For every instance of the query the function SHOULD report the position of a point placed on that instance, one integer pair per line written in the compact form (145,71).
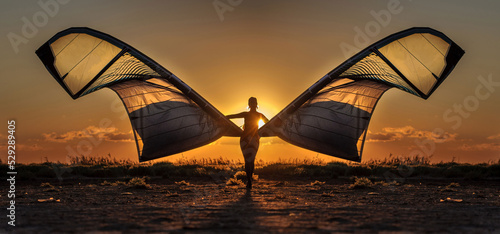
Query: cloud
(119,137)
(406,130)
(494,137)
(480,147)
(394,134)
(383,137)
(108,134)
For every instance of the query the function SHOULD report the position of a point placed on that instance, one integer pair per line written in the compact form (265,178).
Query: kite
(330,117)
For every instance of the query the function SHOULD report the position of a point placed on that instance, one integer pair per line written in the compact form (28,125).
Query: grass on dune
(392,167)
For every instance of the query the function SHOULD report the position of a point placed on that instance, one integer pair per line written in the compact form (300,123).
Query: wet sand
(272,206)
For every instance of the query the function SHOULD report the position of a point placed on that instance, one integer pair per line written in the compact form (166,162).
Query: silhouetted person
(249,141)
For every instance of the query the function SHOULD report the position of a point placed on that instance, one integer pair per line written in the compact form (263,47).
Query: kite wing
(332,116)
(167,116)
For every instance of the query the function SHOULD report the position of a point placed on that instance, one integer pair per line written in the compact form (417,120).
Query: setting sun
(261,123)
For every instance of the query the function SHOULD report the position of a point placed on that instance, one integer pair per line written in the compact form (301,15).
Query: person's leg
(249,166)
(249,148)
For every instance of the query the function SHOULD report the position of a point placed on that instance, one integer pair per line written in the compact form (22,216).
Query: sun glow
(261,123)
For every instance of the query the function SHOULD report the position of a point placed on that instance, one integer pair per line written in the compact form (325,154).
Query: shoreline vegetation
(388,169)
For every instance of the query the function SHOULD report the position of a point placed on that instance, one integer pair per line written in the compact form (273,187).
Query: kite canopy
(167,116)
(332,116)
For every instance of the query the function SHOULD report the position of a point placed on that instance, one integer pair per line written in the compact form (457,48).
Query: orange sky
(272,50)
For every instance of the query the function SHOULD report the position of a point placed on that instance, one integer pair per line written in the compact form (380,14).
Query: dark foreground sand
(272,206)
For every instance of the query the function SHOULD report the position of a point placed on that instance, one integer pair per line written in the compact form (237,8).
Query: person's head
(252,103)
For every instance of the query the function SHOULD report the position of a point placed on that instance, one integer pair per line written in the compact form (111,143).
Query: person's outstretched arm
(240,115)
